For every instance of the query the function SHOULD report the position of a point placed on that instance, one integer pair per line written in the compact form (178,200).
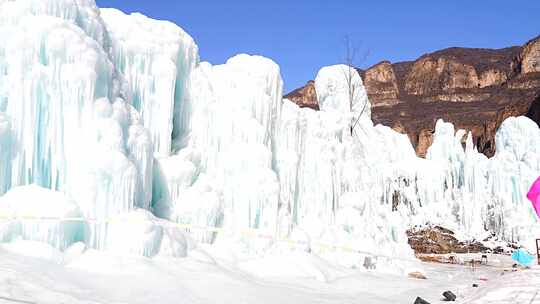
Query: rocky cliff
(475,89)
(306,96)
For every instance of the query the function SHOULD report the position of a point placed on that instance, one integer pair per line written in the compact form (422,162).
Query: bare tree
(351,52)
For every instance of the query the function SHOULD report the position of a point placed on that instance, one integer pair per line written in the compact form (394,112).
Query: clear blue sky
(302,36)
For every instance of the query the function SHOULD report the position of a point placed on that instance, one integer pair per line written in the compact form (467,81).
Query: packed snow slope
(94,277)
(111,119)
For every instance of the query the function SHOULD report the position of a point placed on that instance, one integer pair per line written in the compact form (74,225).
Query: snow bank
(294,264)
(34,249)
(140,233)
(32,212)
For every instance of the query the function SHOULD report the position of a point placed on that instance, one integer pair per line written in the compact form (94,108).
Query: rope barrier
(254,233)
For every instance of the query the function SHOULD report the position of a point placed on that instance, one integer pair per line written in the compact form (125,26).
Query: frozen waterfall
(71,128)
(112,118)
(156,66)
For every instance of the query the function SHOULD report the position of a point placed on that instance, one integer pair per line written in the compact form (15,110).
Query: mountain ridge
(474,88)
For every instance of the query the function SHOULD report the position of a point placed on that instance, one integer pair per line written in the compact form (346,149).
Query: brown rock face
(432,75)
(438,240)
(531,57)
(305,97)
(475,89)
(492,77)
(381,84)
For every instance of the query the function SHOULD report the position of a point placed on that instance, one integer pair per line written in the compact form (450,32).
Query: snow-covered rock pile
(438,240)
(116,116)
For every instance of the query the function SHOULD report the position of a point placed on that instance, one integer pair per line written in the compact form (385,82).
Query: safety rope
(253,233)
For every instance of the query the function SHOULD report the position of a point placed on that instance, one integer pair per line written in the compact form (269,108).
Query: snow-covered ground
(521,287)
(99,277)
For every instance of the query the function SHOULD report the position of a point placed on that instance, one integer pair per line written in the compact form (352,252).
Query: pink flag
(534,196)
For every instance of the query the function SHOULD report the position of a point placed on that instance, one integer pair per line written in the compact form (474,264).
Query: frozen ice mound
(517,138)
(37,214)
(140,233)
(340,88)
(223,176)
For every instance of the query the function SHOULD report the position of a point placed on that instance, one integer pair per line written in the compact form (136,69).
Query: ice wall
(5,153)
(510,174)
(459,188)
(71,128)
(253,161)
(88,98)
(328,177)
(223,177)
(65,67)
(156,59)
